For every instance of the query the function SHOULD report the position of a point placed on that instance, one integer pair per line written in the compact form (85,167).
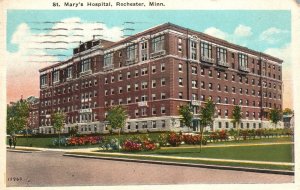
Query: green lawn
(260,166)
(272,153)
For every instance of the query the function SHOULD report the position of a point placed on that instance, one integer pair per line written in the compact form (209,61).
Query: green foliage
(236,114)
(186,114)
(207,114)
(288,111)
(117,117)
(58,120)
(275,116)
(17,116)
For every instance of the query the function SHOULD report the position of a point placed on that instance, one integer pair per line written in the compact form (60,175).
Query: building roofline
(168,25)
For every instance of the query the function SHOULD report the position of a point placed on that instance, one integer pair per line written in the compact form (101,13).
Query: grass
(272,153)
(260,166)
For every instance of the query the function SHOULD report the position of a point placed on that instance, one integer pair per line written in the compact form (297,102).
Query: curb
(20,151)
(282,172)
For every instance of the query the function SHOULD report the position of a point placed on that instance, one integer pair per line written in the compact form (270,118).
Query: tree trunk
(58,139)
(201,137)
(238,131)
(119,139)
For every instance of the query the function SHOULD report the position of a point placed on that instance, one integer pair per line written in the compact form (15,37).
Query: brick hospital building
(152,73)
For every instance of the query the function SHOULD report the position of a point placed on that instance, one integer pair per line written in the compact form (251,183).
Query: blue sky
(267,31)
(226,21)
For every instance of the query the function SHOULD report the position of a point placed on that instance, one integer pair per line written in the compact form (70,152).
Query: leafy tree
(117,118)
(17,116)
(186,114)
(58,120)
(275,116)
(236,118)
(206,117)
(288,111)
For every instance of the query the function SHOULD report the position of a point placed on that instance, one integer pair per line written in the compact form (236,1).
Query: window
(69,72)
(226,114)
(194,70)
(206,50)
(219,99)
(144,51)
(210,86)
(120,90)
(158,43)
(210,73)
(112,79)
(163,82)
(136,112)
(241,91)
(153,124)
(153,69)
(241,79)
(162,67)
(144,71)
(128,100)
(233,77)
(193,50)
(202,71)
(202,97)
(128,75)
(179,45)
(180,95)
(163,95)
(180,81)
(226,88)
(136,86)
(120,77)
(56,76)
(106,80)
(131,52)
(153,111)
(246,91)
(194,96)
(219,87)
(86,65)
(225,76)
(194,84)
(222,54)
(219,74)
(233,89)
(226,100)
(180,67)
(202,85)
(112,91)
(144,85)
(153,83)
(43,80)
(233,101)
(153,96)
(108,59)
(163,110)
(144,98)
(163,123)
(243,60)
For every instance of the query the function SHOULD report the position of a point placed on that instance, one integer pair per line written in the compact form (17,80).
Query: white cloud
(272,35)
(283,53)
(216,33)
(23,65)
(243,31)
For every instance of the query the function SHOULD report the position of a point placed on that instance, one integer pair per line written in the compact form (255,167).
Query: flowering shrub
(131,146)
(174,139)
(148,145)
(223,135)
(213,136)
(191,139)
(83,140)
(163,139)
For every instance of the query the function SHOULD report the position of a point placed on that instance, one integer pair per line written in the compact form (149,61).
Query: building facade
(152,73)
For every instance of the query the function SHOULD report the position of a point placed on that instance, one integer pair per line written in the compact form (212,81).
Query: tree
(58,120)
(206,117)
(236,118)
(288,111)
(186,114)
(275,116)
(17,116)
(117,118)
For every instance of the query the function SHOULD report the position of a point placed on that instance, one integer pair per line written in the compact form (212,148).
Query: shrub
(213,136)
(131,146)
(174,139)
(163,139)
(223,135)
(191,139)
(83,140)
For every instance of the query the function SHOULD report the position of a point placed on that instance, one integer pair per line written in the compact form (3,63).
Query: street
(50,168)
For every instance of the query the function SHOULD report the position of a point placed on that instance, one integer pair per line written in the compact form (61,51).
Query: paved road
(50,168)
